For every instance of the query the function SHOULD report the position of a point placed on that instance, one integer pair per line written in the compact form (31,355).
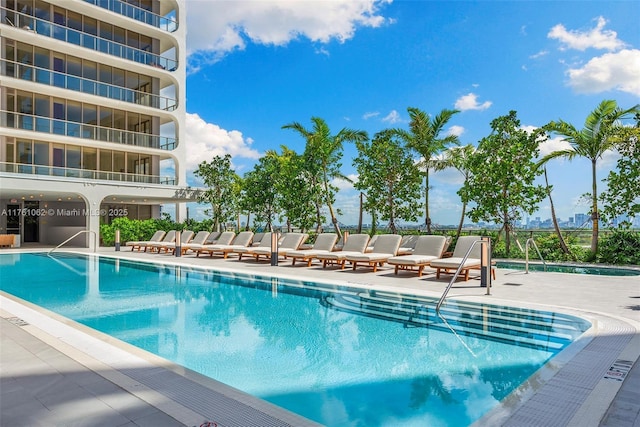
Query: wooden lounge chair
(168,238)
(386,246)
(289,242)
(355,244)
(451,264)
(243,239)
(427,248)
(324,244)
(198,239)
(157,237)
(264,242)
(223,239)
(169,247)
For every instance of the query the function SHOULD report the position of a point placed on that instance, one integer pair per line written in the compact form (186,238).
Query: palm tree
(591,142)
(458,158)
(323,153)
(424,138)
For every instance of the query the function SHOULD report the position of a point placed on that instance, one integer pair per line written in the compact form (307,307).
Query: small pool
(340,356)
(575,269)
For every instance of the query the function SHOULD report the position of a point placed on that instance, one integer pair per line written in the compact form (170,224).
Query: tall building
(92,108)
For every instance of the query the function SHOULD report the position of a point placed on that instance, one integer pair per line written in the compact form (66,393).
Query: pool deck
(54,372)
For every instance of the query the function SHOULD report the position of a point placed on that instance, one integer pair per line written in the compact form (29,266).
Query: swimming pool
(567,268)
(337,355)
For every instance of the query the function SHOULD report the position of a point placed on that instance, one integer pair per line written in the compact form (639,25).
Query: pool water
(340,356)
(575,269)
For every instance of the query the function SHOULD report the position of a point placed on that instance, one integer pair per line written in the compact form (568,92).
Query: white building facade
(92,108)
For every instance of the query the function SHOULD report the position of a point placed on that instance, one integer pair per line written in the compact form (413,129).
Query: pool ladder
(531,242)
(485,268)
(95,240)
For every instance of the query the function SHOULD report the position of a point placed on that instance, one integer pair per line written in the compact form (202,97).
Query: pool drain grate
(17,321)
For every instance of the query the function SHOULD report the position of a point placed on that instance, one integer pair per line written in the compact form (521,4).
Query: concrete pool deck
(56,372)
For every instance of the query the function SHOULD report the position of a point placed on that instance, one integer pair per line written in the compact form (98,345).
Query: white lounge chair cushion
(337,256)
(411,260)
(454,262)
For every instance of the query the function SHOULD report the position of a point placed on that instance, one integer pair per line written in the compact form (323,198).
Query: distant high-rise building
(92,113)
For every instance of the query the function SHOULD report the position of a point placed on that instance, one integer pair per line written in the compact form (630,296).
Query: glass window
(25,58)
(89,158)
(74,24)
(41,153)
(74,68)
(106,160)
(73,156)
(10,155)
(41,61)
(118,161)
(24,152)
(90,73)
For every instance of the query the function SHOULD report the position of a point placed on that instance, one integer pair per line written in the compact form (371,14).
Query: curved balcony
(166,23)
(31,122)
(59,32)
(56,171)
(49,77)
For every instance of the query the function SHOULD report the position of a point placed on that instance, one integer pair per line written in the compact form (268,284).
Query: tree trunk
(563,244)
(595,217)
(461,224)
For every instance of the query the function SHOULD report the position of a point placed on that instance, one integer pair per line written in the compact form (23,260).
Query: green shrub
(621,247)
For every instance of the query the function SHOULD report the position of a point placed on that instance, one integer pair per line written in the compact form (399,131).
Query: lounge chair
(427,248)
(323,245)
(243,239)
(223,239)
(157,237)
(451,264)
(198,239)
(408,244)
(264,242)
(372,243)
(355,244)
(386,246)
(168,238)
(289,242)
(169,247)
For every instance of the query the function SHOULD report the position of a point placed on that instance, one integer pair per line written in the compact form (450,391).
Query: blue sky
(257,65)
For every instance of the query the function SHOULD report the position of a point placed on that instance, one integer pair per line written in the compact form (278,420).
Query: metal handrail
(530,240)
(90,41)
(45,124)
(64,172)
(455,276)
(50,77)
(95,241)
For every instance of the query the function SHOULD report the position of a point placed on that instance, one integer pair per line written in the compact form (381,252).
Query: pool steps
(540,330)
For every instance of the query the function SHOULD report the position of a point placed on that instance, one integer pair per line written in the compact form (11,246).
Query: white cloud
(470,102)
(539,54)
(553,144)
(371,114)
(597,38)
(392,117)
(620,70)
(342,184)
(217,27)
(206,140)
(456,130)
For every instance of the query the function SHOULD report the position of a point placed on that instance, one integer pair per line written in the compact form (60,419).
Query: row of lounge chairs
(411,253)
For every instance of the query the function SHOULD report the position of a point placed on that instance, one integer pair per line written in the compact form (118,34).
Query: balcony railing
(90,41)
(80,84)
(31,122)
(139,14)
(57,171)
